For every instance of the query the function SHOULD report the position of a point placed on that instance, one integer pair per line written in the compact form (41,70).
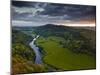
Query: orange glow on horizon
(80,24)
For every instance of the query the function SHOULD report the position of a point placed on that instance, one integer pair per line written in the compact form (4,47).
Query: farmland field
(63,58)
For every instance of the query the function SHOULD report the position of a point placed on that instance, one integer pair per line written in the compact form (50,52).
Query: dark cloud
(73,11)
(51,12)
(22,4)
(28,4)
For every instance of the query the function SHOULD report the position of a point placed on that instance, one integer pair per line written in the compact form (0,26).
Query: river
(38,59)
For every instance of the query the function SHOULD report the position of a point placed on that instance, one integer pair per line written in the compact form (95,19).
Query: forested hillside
(23,56)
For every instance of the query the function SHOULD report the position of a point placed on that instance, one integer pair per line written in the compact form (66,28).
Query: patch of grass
(63,58)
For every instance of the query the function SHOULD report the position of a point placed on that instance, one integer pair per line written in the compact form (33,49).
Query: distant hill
(85,34)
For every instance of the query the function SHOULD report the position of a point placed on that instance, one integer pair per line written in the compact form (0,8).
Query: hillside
(85,37)
(23,57)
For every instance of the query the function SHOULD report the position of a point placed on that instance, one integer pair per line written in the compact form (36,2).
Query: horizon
(56,25)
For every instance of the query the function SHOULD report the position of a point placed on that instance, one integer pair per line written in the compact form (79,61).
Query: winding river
(38,59)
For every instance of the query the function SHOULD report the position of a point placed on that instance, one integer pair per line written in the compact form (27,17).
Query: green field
(62,58)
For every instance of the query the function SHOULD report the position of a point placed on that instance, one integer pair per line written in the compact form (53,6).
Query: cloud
(26,23)
(43,13)
(22,10)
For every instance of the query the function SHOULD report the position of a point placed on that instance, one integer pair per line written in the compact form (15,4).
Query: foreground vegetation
(23,56)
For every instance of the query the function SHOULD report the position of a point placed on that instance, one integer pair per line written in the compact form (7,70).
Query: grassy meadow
(63,58)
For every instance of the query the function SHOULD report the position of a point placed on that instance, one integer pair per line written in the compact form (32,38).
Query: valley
(60,48)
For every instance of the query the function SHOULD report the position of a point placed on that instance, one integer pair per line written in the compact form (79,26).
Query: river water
(38,59)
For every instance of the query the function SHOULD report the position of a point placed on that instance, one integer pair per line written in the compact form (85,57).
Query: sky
(41,13)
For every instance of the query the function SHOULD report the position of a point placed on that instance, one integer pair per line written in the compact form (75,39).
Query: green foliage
(23,56)
(24,51)
(21,66)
